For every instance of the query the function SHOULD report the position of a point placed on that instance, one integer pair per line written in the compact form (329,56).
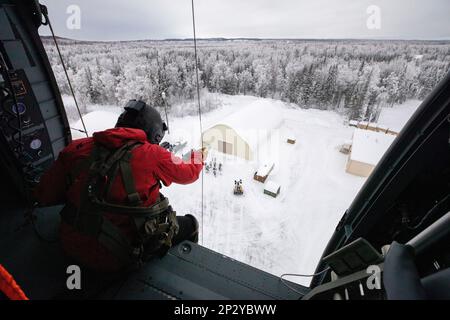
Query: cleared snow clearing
(396,117)
(280,235)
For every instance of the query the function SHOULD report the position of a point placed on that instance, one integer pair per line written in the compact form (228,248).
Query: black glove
(166,145)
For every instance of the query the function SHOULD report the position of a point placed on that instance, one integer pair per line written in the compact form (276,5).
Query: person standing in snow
(115,216)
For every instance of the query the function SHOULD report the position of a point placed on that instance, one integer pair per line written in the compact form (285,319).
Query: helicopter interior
(406,199)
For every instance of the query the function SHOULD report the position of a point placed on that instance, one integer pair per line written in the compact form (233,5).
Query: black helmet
(139,115)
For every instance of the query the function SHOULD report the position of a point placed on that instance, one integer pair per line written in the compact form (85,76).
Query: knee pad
(194,235)
(194,221)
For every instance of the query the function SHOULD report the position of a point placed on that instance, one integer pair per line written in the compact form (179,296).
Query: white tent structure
(242,132)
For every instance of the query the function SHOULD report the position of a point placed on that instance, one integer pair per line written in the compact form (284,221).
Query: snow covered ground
(279,235)
(396,117)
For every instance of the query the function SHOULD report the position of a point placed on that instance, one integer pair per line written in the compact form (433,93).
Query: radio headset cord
(48,23)
(199,108)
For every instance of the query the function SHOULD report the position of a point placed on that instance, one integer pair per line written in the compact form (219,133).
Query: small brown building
(263,172)
(392,132)
(346,148)
(291,141)
(368,126)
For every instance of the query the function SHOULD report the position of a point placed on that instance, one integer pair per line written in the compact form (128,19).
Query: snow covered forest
(355,78)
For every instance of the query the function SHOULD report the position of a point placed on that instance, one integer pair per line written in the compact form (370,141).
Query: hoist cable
(167,116)
(65,71)
(79,130)
(199,106)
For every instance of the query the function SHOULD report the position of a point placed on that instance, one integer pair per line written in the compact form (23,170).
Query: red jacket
(150,164)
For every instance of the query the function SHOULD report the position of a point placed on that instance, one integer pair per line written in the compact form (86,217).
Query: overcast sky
(162,19)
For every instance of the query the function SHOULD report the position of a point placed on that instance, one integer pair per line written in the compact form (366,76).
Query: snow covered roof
(369,146)
(363,123)
(265,169)
(254,121)
(272,187)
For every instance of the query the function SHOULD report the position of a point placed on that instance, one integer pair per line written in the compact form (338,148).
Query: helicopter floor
(188,271)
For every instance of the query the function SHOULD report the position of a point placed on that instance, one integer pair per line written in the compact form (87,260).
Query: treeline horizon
(48,38)
(357,77)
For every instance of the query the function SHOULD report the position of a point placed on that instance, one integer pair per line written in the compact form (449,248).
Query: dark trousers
(188,227)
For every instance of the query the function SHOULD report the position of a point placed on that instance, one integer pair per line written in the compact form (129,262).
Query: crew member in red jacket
(114,213)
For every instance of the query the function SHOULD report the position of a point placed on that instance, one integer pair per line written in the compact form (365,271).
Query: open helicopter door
(34,129)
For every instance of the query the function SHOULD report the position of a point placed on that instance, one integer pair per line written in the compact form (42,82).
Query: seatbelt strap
(133,196)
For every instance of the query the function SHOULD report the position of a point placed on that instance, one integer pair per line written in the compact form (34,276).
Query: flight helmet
(139,115)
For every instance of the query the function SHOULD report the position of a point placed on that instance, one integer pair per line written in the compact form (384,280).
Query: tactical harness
(155,226)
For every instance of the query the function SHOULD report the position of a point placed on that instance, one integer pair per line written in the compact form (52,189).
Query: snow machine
(238,190)
(391,243)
